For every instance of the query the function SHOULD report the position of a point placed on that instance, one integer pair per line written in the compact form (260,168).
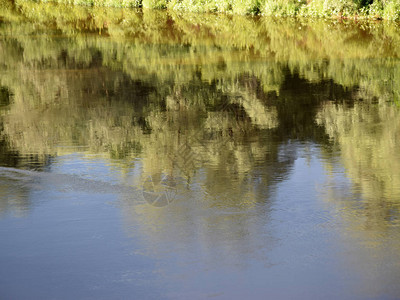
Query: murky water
(153,155)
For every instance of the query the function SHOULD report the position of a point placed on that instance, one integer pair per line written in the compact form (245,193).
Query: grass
(365,9)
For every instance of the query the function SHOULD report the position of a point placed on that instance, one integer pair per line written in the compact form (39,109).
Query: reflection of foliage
(4,96)
(369,139)
(367,134)
(12,199)
(84,104)
(177,44)
(126,83)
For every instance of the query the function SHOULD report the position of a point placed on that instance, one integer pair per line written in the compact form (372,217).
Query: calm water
(153,155)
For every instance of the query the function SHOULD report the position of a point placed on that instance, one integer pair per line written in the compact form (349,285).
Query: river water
(159,155)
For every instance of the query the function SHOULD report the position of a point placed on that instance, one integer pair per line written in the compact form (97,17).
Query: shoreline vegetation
(348,9)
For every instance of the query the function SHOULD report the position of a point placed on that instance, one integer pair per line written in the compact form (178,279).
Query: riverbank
(355,9)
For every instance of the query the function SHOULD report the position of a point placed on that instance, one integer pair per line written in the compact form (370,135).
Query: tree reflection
(176,92)
(367,135)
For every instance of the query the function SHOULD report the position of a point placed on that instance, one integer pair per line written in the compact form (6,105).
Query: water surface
(152,155)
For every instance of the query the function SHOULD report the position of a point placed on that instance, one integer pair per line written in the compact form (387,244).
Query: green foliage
(329,8)
(244,7)
(157,4)
(97,3)
(386,9)
(196,5)
(282,7)
(391,10)
(240,7)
